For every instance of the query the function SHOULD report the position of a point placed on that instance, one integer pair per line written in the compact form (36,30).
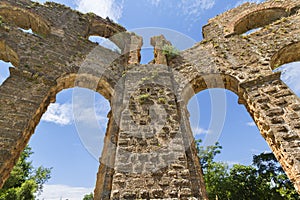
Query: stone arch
(24,19)
(106,43)
(85,81)
(258,18)
(210,81)
(18,124)
(287,54)
(253,16)
(203,82)
(106,28)
(274,108)
(192,86)
(102,27)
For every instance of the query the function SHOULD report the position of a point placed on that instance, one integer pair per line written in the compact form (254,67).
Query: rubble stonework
(149,150)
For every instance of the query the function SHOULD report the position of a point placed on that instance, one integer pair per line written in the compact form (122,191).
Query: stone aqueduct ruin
(144,157)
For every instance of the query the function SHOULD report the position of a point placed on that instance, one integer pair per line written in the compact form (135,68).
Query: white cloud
(155,2)
(232,162)
(57,192)
(188,6)
(250,1)
(59,114)
(188,9)
(251,124)
(194,7)
(199,131)
(204,4)
(90,111)
(259,151)
(103,8)
(91,114)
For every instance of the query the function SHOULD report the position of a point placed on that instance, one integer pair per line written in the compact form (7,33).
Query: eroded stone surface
(149,150)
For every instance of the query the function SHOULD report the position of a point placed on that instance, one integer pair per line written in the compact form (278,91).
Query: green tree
(24,181)
(244,183)
(88,197)
(215,173)
(274,176)
(263,180)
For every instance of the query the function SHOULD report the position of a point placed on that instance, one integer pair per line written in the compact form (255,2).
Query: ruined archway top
(251,57)
(235,21)
(248,59)
(59,42)
(56,19)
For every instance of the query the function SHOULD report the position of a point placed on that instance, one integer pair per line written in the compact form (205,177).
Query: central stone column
(149,148)
(153,155)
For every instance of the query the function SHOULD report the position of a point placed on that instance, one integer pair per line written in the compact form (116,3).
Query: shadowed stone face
(149,150)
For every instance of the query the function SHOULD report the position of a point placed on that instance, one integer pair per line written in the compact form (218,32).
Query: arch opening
(29,31)
(217,90)
(258,19)
(24,19)
(287,60)
(208,133)
(240,140)
(4,71)
(106,43)
(237,125)
(252,31)
(209,81)
(71,143)
(81,104)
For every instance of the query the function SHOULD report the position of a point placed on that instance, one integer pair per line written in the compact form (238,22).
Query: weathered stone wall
(243,63)
(276,111)
(45,63)
(151,159)
(149,148)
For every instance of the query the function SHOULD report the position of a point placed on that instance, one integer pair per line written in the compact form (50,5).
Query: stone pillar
(276,111)
(130,45)
(158,42)
(107,160)
(154,153)
(23,99)
(135,49)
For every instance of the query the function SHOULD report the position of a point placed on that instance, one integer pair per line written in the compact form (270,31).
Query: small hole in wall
(27,31)
(252,31)
(290,76)
(104,42)
(4,70)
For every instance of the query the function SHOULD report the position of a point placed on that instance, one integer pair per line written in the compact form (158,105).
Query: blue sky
(59,140)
